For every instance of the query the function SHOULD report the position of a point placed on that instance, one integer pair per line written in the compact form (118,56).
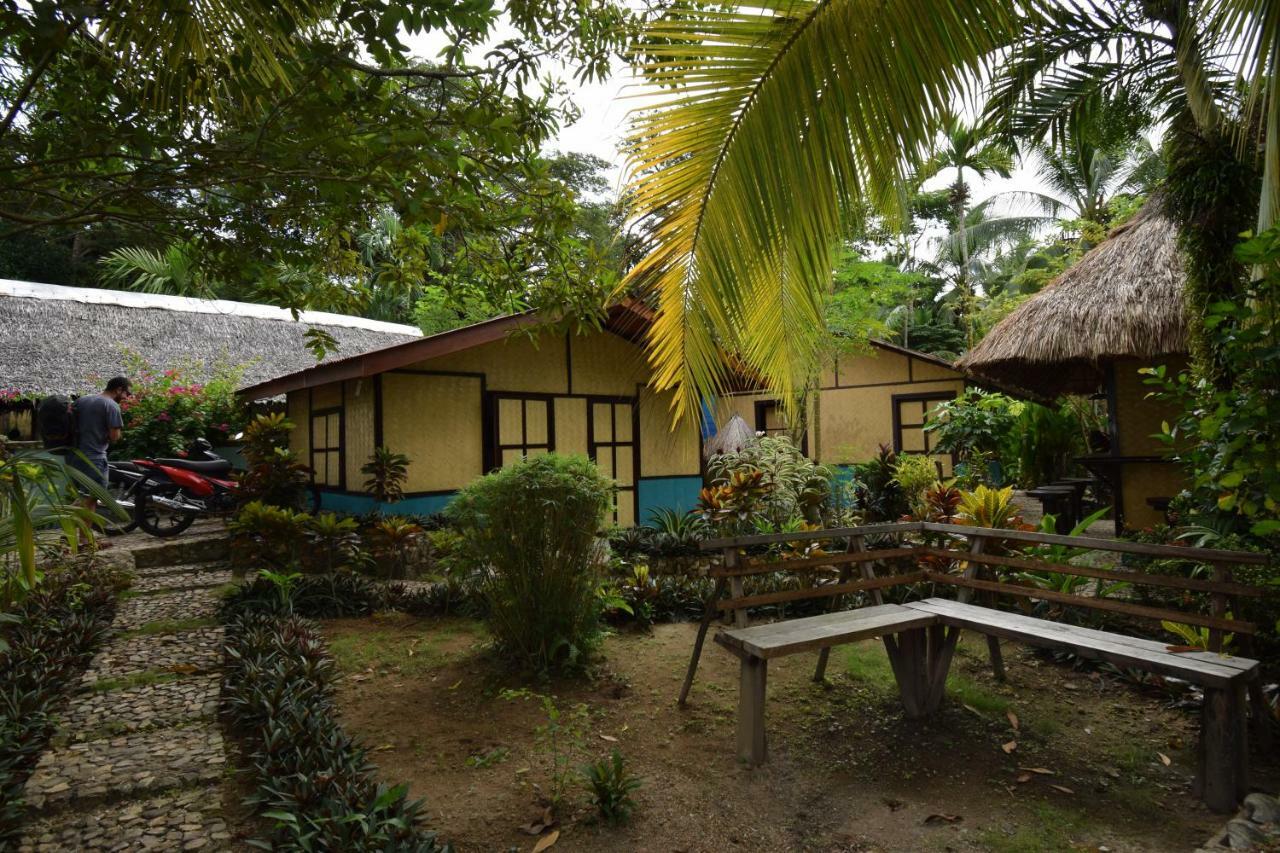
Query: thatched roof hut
(67,340)
(1123,299)
(730,438)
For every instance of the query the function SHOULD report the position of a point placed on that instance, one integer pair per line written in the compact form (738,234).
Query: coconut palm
(776,121)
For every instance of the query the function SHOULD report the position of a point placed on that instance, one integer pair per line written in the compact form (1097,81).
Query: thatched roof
(730,438)
(66,340)
(1123,299)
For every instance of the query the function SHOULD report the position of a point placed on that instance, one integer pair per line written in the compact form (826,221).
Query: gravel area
(183,580)
(104,713)
(189,604)
(129,766)
(183,568)
(185,652)
(188,820)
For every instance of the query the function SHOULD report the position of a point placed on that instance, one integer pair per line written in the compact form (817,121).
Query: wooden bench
(920,636)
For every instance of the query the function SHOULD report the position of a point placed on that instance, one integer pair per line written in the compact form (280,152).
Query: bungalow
(467,401)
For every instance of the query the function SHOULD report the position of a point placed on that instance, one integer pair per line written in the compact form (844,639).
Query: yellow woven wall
(665,450)
(358,427)
(300,437)
(871,367)
(571,425)
(327,396)
(854,422)
(436,422)
(1141,481)
(513,364)
(607,365)
(1138,418)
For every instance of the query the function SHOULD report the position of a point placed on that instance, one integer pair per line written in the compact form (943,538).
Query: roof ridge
(191,305)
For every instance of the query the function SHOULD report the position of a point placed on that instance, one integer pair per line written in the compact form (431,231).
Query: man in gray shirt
(98,425)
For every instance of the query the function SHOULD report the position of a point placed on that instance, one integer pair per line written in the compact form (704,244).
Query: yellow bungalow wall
(1138,419)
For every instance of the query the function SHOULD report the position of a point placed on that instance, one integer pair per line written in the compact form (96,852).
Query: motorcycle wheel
(115,527)
(158,520)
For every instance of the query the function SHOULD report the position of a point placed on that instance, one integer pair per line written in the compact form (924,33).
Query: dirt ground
(1085,766)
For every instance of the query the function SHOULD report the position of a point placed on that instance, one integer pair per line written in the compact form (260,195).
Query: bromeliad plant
(387,472)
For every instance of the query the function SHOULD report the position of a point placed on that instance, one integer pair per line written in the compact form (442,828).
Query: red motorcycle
(173,493)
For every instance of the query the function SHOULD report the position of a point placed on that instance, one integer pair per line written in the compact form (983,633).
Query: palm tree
(781,119)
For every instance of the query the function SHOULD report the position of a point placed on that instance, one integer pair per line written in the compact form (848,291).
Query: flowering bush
(169,410)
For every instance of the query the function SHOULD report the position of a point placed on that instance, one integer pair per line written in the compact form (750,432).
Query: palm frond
(779,119)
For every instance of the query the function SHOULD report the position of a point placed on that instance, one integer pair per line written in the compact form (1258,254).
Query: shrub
(915,475)
(169,409)
(311,779)
(977,426)
(387,473)
(878,493)
(611,786)
(44,646)
(394,541)
(985,507)
(532,528)
(262,533)
(332,543)
(273,474)
(793,486)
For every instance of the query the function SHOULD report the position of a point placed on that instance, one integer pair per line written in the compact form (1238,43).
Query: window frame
(340,449)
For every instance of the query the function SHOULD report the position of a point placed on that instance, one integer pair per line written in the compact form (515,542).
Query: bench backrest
(954,555)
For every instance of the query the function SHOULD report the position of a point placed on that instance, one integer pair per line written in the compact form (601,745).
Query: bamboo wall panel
(854,422)
(923,370)
(571,425)
(666,450)
(864,368)
(327,396)
(358,441)
(1137,417)
(436,421)
(607,365)
(300,438)
(516,363)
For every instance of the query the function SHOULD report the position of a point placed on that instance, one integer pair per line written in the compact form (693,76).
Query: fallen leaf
(1010,746)
(968,707)
(1013,719)
(1024,777)
(1063,788)
(547,841)
(1182,650)
(1164,759)
(935,819)
(1043,771)
(384,747)
(455,685)
(1070,685)
(609,738)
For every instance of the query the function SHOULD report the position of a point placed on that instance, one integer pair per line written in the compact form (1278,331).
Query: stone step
(187,820)
(182,580)
(181,568)
(191,604)
(110,713)
(187,548)
(125,767)
(185,652)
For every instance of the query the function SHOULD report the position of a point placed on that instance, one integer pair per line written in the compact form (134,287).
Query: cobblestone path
(138,762)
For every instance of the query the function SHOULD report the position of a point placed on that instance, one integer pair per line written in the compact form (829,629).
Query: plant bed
(311,781)
(847,770)
(52,638)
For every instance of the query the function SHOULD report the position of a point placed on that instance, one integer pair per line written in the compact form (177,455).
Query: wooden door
(611,443)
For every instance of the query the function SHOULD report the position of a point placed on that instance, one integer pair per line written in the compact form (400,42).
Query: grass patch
(969,692)
(169,626)
(869,663)
(1052,831)
(137,679)
(394,648)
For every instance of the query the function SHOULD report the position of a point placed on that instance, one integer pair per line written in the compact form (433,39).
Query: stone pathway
(138,761)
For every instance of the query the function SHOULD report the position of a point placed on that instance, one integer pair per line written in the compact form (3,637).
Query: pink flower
(223,427)
(163,416)
(169,374)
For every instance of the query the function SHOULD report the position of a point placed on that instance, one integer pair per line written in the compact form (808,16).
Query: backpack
(56,422)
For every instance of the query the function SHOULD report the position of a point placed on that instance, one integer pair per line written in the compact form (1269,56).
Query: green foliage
(1048,439)
(611,786)
(532,529)
(977,422)
(332,543)
(915,475)
(985,507)
(561,738)
(790,486)
(168,409)
(265,534)
(393,542)
(312,781)
(387,472)
(39,517)
(878,493)
(273,474)
(45,644)
(1226,435)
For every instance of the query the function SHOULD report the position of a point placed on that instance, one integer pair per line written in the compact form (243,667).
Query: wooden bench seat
(819,632)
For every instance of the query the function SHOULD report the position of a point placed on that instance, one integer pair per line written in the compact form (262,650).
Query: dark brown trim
(888,384)
(568,363)
(409,371)
(761,410)
(312,450)
(911,373)
(898,426)
(377,411)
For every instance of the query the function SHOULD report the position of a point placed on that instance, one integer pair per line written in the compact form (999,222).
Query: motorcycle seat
(126,466)
(210,469)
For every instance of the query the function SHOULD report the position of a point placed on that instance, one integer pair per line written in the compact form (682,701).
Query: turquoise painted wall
(678,493)
(361,504)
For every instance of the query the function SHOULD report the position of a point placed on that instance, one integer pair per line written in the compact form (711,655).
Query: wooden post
(978,544)
(736,587)
(855,545)
(707,616)
(1218,605)
(1223,778)
(752,749)
(920,659)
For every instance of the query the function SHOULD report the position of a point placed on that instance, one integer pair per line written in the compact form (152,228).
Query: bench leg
(751,695)
(1223,778)
(820,672)
(997,657)
(921,659)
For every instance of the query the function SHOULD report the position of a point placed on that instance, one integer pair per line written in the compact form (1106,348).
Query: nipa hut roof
(68,340)
(1123,299)
(730,438)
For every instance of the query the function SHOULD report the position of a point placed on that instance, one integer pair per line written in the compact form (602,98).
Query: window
(771,420)
(910,414)
(525,426)
(326,448)
(611,442)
